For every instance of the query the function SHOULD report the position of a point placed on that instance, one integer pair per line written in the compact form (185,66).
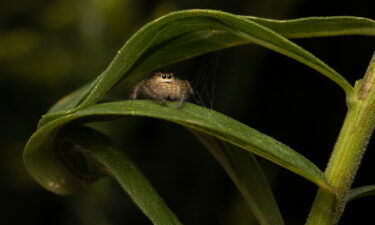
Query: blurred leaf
(244,170)
(361,192)
(43,164)
(125,172)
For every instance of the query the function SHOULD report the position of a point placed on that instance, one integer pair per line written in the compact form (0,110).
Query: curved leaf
(174,25)
(201,31)
(123,169)
(244,170)
(53,176)
(189,33)
(361,192)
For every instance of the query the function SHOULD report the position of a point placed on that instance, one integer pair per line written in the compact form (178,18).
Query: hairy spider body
(162,87)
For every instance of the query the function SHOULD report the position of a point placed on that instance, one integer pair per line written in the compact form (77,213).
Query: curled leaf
(41,145)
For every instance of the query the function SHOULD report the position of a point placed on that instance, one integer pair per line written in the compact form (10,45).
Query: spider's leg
(154,95)
(136,90)
(190,88)
(185,90)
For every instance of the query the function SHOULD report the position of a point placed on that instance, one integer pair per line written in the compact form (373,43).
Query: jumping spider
(163,86)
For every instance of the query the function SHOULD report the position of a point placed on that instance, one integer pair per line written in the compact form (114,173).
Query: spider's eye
(163,76)
(169,76)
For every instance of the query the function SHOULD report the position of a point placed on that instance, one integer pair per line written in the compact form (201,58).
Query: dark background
(49,48)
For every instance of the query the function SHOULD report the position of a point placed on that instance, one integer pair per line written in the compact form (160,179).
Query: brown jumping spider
(163,86)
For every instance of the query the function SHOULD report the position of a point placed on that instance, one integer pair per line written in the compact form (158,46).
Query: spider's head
(164,77)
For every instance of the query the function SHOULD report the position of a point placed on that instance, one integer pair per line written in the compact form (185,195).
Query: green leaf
(42,163)
(310,27)
(65,104)
(244,170)
(123,169)
(361,192)
(185,34)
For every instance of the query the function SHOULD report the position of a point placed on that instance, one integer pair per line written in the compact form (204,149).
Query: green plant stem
(348,151)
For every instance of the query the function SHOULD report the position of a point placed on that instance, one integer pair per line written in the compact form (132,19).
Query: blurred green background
(50,48)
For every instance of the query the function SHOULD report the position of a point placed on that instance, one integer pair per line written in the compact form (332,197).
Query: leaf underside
(124,170)
(244,170)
